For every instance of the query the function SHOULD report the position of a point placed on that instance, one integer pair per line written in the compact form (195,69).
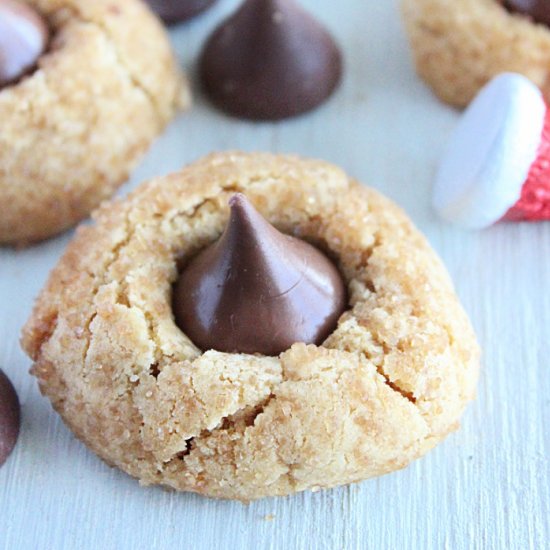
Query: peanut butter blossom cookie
(254,325)
(84,89)
(460,45)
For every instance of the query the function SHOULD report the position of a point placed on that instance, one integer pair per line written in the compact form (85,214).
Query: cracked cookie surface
(74,129)
(386,386)
(459,45)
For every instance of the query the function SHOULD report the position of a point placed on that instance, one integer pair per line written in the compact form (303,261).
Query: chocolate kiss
(539,10)
(23,39)
(270,60)
(173,11)
(256,290)
(9,418)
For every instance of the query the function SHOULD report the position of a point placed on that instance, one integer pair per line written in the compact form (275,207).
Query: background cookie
(386,386)
(74,129)
(459,45)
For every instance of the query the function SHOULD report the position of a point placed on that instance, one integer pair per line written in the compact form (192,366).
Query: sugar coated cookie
(460,45)
(389,381)
(85,87)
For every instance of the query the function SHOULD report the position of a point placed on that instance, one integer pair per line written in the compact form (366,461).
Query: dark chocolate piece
(257,290)
(270,60)
(538,10)
(23,39)
(10,418)
(175,11)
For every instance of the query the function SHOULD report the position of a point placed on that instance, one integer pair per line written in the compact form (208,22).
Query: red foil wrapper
(534,203)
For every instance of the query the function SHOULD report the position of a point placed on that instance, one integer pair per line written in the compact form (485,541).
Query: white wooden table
(485,487)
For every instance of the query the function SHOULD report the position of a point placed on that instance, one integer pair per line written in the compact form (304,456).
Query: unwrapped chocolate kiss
(538,10)
(257,290)
(270,60)
(10,418)
(23,39)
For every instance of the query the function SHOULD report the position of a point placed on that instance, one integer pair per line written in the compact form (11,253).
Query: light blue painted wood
(486,487)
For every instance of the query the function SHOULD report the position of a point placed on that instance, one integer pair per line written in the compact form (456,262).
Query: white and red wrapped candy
(497,163)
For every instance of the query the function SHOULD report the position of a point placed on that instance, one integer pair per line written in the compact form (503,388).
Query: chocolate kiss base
(257,290)
(175,11)
(10,418)
(538,10)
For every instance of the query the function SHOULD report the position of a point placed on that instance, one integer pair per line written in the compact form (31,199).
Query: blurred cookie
(459,45)
(77,120)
